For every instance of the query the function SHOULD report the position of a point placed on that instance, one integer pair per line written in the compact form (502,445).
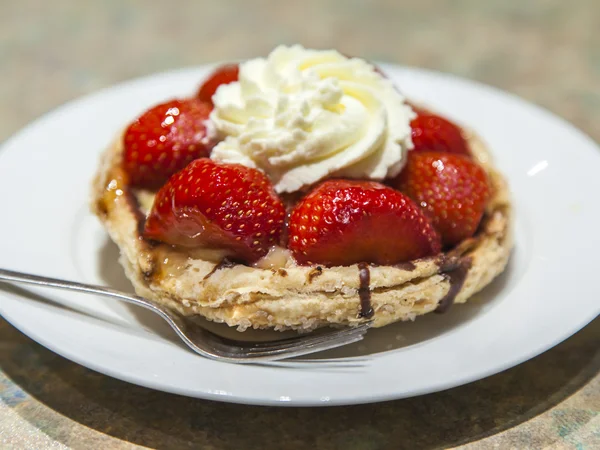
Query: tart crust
(299,297)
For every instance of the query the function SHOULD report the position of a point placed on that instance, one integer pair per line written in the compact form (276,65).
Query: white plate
(549,291)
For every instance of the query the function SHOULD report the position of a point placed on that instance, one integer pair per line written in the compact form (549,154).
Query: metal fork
(205,342)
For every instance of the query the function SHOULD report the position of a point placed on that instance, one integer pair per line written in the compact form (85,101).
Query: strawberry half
(164,140)
(452,190)
(217,205)
(434,133)
(345,222)
(222,75)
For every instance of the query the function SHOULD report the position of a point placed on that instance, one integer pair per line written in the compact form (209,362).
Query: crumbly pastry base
(297,297)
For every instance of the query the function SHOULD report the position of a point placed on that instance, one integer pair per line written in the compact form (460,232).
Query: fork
(201,340)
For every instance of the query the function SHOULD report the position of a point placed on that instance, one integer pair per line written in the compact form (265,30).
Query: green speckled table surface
(547,51)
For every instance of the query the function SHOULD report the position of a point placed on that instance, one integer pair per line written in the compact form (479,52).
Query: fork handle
(27,278)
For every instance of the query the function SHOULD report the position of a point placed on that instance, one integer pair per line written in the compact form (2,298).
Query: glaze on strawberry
(215,205)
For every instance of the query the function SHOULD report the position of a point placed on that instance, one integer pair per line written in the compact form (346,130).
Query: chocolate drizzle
(134,206)
(455,270)
(364,291)
(225,263)
(314,273)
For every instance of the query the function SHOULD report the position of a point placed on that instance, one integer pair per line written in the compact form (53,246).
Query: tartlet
(278,293)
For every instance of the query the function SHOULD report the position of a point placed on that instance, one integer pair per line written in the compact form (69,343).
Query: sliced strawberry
(451,189)
(344,222)
(222,75)
(434,133)
(210,204)
(164,140)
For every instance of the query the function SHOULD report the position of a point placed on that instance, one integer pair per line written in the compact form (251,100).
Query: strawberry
(218,205)
(452,190)
(434,133)
(164,140)
(222,75)
(343,222)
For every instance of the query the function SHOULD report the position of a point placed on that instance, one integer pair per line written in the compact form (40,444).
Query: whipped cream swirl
(304,115)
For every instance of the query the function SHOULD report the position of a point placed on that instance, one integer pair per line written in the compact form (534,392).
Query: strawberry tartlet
(303,190)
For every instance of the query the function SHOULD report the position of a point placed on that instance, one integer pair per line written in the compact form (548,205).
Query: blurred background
(547,51)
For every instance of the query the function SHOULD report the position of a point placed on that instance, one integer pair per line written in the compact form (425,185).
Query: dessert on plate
(303,190)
